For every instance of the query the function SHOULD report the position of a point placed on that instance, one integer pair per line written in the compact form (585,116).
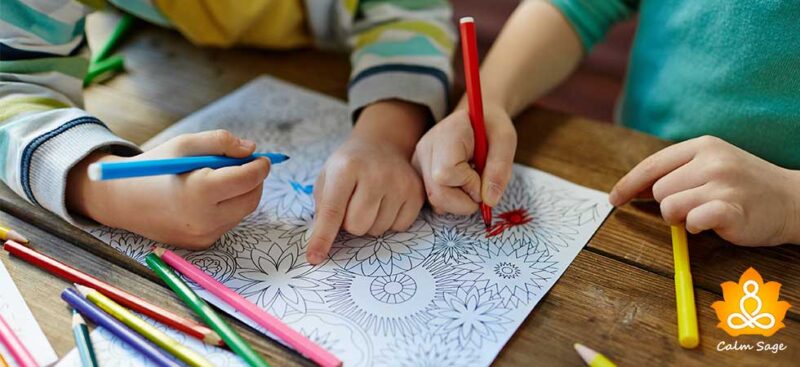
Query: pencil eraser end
(95,173)
(466,20)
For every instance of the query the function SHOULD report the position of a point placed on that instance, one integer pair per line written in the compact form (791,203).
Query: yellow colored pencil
(142,327)
(3,362)
(592,358)
(688,336)
(10,234)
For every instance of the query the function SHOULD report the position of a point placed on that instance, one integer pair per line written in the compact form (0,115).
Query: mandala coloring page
(446,292)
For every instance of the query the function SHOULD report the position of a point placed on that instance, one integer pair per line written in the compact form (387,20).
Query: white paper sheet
(442,293)
(112,351)
(21,320)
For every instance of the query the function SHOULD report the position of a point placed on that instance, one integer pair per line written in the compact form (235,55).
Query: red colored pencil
(469,48)
(72,275)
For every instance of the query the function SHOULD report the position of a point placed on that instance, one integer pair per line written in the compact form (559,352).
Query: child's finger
(362,210)
(715,214)
(675,207)
(461,175)
(651,169)
(407,214)
(234,209)
(685,177)
(228,182)
(216,142)
(443,198)
(387,213)
(499,162)
(329,217)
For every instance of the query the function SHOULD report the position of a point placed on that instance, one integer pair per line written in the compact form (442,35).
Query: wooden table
(617,296)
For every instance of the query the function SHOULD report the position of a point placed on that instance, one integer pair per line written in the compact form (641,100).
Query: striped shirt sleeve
(401,50)
(593,18)
(43,130)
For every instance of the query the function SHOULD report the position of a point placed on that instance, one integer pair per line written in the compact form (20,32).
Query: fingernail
(612,198)
(247,144)
(493,194)
(315,258)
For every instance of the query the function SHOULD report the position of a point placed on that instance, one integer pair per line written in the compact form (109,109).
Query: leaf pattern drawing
(470,316)
(279,279)
(444,293)
(425,350)
(390,253)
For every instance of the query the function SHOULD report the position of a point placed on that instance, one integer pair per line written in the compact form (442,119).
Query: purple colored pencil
(127,335)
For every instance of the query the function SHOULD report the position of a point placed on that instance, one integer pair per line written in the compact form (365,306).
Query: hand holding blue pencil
(171,166)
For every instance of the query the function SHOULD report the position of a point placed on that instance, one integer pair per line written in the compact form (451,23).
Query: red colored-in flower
(509,219)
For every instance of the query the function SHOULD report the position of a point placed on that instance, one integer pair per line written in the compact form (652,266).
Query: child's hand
(191,210)
(368,185)
(443,157)
(710,184)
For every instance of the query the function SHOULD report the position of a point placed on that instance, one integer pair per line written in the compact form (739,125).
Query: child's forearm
(395,122)
(536,50)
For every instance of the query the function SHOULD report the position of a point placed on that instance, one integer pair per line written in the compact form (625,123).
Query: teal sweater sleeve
(592,18)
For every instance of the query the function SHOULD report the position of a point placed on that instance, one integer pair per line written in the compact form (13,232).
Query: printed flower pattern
(470,316)
(390,253)
(279,280)
(512,273)
(452,246)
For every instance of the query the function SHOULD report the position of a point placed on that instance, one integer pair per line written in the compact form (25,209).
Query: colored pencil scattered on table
(111,324)
(14,346)
(688,336)
(232,339)
(83,342)
(3,362)
(10,234)
(126,299)
(158,337)
(592,358)
(472,76)
(171,166)
(272,324)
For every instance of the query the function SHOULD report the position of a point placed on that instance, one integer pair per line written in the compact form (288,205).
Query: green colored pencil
(120,29)
(82,340)
(234,341)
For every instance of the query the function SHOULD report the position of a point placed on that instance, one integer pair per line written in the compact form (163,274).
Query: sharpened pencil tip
(95,172)
(585,352)
(14,235)
(77,319)
(159,251)
(83,290)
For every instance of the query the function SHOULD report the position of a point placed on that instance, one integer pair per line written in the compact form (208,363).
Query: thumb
(499,162)
(215,142)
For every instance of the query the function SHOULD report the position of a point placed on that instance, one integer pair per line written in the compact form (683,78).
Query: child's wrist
(91,199)
(394,122)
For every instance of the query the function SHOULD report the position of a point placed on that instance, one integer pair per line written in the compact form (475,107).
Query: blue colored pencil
(82,340)
(127,335)
(171,166)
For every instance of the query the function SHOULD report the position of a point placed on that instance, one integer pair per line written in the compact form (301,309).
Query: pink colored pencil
(15,346)
(271,323)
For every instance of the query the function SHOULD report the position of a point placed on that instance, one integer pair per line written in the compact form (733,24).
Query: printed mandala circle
(393,289)
(389,254)
(394,304)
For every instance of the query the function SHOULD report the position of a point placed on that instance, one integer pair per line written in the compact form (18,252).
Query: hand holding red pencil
(466,159)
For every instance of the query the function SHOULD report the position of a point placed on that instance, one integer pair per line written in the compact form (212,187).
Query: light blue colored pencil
(171,166)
